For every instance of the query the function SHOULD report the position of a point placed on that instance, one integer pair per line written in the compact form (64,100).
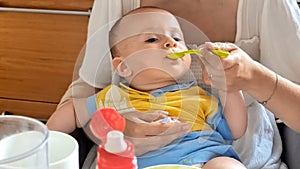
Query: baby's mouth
(179,55)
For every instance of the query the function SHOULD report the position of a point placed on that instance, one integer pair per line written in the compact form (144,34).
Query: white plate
(171,166)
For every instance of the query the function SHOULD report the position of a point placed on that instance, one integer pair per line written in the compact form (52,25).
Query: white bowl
(62,151)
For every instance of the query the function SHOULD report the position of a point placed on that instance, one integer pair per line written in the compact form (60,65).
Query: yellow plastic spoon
(177,55)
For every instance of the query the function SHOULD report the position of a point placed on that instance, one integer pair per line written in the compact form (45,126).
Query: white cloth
(276,23)
(261,146)
(96,68)
(267,29)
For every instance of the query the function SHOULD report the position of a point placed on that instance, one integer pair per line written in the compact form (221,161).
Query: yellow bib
(191,105)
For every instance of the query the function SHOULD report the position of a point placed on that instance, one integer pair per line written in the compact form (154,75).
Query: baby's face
(149,38)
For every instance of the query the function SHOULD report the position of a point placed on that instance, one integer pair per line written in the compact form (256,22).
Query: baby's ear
(120,67)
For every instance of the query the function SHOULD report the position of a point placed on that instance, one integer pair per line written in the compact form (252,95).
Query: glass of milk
(23,143)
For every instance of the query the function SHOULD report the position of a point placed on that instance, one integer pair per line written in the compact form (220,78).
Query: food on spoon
(178,55)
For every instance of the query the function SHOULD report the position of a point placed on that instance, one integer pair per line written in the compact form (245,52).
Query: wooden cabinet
(39,45)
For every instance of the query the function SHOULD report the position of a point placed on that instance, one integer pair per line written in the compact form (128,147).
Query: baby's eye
(177,39)
(151,40)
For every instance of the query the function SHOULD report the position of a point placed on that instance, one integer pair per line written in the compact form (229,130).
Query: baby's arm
(235,112)
(63,119)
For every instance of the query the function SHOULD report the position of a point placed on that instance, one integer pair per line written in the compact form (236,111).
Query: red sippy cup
(114,152)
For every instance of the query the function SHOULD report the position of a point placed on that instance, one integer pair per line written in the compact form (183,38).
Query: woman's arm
(282,98)
(243,73)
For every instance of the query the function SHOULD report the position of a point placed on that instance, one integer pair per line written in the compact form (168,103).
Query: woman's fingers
(215,62)
(210,60)
(220,45)
(229,73)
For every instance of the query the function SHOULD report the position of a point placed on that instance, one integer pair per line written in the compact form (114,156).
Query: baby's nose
(170,43)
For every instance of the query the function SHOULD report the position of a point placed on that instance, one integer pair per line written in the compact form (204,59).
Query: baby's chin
(156,79)
(150,86)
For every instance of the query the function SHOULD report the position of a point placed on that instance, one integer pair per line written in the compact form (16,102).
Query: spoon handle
(177,55)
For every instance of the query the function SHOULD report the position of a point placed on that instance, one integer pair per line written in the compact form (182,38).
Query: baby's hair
(113,30)
(145,8)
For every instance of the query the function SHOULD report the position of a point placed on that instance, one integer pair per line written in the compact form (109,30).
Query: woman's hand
(147,133)
(232,73)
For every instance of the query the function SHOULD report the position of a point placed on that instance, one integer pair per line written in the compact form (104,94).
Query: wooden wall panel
(38,53)
(82,5)
(37,57)
(39,110)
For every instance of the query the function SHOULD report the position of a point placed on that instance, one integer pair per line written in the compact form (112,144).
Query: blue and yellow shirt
(189,103)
